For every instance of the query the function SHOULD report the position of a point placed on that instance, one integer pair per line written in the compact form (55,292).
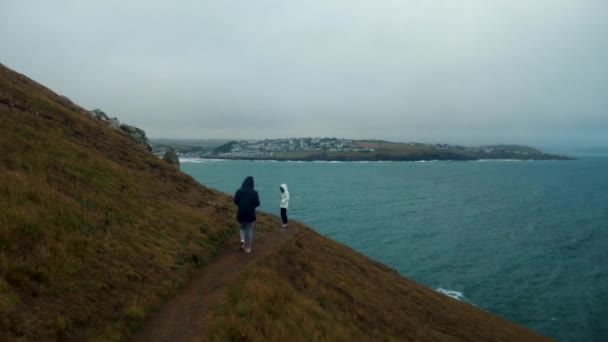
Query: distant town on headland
(338,149)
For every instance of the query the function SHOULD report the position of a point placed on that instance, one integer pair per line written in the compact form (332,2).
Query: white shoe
(242,247)
(247,250)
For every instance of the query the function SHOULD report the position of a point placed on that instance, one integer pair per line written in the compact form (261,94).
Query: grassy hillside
(94,230)
(313,289)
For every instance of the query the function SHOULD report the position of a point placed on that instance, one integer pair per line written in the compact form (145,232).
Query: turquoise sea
(526,240)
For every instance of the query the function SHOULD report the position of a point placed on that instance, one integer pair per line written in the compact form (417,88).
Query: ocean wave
(451,293)
(500,160)
(199,160)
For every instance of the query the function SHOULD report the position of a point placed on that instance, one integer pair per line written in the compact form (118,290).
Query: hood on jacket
(284,186)
(247,183)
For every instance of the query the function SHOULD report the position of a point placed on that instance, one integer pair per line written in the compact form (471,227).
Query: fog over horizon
(467,72)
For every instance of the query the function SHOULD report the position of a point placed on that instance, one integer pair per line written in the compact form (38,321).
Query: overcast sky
(456,71)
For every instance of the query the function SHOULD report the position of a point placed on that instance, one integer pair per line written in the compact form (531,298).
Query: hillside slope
(314,289)
(96,233)
(94,229)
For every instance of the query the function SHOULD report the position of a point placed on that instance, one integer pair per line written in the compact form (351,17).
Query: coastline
(360,160)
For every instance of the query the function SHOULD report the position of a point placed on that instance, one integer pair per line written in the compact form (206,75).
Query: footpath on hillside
(187,316)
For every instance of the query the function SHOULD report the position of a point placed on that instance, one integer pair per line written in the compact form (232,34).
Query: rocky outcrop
(136,134)
(101,115)
(171,157)
(114,123)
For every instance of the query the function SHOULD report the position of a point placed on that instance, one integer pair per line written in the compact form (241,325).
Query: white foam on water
(328,161)
(199,160)
(451,293)
(500,160)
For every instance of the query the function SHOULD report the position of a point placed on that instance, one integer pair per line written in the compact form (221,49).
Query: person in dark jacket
(247,199)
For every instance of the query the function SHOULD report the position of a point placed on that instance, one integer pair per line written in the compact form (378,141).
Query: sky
(444,71)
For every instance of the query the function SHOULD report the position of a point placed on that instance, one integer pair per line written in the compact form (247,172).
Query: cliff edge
(96,233)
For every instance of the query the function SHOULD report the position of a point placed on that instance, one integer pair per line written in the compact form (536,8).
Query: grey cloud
(468,71)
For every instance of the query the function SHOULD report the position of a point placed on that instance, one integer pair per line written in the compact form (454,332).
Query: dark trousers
(284,215)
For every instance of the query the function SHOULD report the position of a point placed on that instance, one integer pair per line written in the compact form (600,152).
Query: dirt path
(186,317)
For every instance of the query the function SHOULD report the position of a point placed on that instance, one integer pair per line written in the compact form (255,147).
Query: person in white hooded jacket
(284,204)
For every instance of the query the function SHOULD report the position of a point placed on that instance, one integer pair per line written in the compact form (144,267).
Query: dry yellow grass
(314,289)
(94,230)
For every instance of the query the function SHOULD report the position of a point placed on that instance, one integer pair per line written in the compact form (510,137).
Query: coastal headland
(335,149)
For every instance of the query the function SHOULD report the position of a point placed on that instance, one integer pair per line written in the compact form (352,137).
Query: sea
(525,240)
